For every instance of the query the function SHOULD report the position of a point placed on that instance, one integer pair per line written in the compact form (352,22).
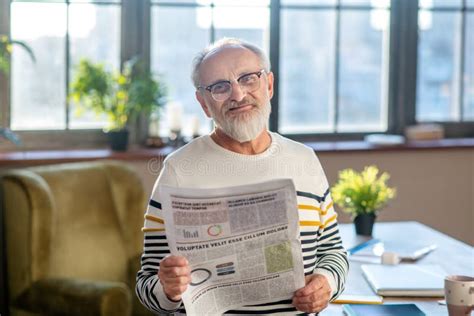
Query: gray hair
(226,42)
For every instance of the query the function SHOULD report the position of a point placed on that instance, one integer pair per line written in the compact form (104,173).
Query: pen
(367,243)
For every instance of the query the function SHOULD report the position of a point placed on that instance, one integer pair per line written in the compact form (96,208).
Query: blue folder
(385,310)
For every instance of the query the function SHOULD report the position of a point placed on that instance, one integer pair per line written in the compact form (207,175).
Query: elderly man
(234,86)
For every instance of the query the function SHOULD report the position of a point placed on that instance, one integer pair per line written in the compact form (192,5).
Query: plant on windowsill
(121,96)
(362,195)
(6,48)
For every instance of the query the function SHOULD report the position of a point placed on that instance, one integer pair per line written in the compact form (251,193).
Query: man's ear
(270,80)
(201,101)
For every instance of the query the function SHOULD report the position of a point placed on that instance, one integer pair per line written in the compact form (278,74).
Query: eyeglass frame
(209,87)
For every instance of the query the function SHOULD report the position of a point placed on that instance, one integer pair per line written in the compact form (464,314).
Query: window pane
(470,3)
(438,67)
(172,53)
(308,2)
(40,1)
(242,3)
(426,4)
(373,3)
(96,1)
(469,69)
(94,32)
(362,71)
(201,2)
(38,89)
(250,24)
(70,1)
(216,2)
(306,71)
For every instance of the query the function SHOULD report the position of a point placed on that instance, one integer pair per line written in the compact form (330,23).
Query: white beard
(242,127)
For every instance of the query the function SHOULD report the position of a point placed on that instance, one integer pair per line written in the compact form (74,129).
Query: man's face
(244,115)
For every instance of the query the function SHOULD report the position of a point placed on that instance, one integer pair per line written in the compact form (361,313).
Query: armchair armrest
(76,297)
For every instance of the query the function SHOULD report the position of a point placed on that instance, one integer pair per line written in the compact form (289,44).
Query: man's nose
(237,92)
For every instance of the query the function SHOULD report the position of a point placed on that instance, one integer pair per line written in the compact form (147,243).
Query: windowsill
(350,146)
(18,158)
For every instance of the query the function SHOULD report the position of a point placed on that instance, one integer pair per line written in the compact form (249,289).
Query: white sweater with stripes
(204,164)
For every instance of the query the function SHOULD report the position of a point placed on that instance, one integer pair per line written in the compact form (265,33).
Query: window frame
(463,11)
(338,9)
(136,40)
(402,75)
(405,15)
(4,79)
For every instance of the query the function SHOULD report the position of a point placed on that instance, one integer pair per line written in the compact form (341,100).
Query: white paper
(242,243)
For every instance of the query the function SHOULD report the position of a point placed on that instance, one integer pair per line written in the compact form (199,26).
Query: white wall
(435,187)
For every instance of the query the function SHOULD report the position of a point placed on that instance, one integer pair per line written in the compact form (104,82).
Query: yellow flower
(121,95)
(122,80)
(79,111)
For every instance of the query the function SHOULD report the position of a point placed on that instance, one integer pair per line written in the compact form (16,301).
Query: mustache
(233,104)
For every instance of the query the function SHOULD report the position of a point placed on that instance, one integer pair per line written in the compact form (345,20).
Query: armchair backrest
(78,220)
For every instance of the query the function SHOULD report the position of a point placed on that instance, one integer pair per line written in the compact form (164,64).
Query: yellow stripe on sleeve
(310,223)
(327,208)
(154,218)
(330,219)
(146,229)
(315,208)
(318,223)
(308,207)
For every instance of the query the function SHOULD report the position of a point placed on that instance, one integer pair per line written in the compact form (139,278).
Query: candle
(175,112)
(195,125)
(154,125)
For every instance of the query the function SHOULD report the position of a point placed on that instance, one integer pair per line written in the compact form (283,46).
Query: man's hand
(315,296)
(175,276)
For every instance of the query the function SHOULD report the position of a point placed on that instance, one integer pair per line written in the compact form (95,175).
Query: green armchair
(73,239)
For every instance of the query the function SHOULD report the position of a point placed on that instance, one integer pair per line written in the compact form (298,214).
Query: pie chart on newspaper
(199,276)
(214,230)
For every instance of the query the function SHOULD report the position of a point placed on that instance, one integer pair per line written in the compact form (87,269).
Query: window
(60,34)
(445,61)
(194,25)
(344,68)
(333,66)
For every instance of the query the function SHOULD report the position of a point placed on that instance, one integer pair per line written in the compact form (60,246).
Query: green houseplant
(121,96)
(6,48)
(363,195)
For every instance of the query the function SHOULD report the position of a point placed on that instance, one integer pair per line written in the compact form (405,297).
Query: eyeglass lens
(248,83)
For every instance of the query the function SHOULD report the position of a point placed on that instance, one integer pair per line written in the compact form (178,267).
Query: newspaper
(242,243)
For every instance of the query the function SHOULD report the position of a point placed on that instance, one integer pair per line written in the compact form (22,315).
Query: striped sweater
(202,163)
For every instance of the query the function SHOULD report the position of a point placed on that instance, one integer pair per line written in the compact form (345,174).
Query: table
(454,256)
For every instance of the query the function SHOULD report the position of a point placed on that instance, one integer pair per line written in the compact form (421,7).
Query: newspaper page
(242,243)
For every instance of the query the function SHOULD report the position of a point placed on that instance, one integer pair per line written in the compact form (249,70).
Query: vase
(118,139)
(364,224)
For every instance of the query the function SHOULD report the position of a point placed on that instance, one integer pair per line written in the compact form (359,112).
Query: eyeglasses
(222,90)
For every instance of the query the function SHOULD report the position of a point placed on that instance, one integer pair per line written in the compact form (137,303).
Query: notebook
(405,279)
(385,310)
(358,299)
(406,250)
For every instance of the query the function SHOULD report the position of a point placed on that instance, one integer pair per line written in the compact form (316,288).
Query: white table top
(454,256)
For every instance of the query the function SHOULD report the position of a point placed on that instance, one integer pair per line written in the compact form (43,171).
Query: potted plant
(121,96)
(362,195)
(6,48)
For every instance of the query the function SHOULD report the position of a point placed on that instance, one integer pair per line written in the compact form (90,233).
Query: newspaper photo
(242,243)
